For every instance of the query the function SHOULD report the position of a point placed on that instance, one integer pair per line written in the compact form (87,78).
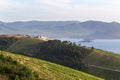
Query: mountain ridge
(71,29)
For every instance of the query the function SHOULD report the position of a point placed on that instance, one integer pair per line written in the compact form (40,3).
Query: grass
(98,57)
(11,69)
(22,45)
(104,59)
(49,71)
(103,73)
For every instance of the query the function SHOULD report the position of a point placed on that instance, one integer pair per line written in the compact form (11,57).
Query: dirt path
(103,68)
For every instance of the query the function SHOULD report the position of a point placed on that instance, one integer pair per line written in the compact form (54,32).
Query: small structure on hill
(42,38)
(18,36)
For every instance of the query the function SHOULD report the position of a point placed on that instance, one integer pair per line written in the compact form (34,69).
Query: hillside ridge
(72,29)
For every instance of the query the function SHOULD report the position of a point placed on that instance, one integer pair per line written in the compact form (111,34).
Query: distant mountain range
(61,29)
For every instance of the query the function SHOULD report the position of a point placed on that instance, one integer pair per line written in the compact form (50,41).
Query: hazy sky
(81,10)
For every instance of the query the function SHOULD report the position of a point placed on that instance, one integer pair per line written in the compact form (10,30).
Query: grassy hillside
(24,45)
(108,64)
(70,55)
(64,53)
(104,73)
(104,59)
(17,67)
(10,69)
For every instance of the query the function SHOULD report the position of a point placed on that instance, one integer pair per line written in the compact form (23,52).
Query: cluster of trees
(14,70)
(64,53)
(61,52)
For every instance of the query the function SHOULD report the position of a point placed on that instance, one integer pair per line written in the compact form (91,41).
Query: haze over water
(112,45)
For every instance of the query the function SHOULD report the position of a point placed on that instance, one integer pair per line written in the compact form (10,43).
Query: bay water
(111,45)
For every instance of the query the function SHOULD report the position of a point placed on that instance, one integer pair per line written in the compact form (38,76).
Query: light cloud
(55,2)
(105,10)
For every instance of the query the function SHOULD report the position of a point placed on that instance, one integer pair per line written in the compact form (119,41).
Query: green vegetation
(104,59)
(64,53)
(24,45)
(18,67)
(104,73)
(70,55)
(6,42)
(14,70)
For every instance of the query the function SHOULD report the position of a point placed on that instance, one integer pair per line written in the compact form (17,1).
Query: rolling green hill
(18,67)
(24,45)
(103,64)
(104,59)
(89,60)
(63,53)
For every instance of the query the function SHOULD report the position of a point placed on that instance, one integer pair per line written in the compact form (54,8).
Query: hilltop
(19,36)
(18,67)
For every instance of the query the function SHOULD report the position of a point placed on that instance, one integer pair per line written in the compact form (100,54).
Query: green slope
(36,48)
(24,45)
(46,51)
(104,59)
(104,64)
(43,69)
(10,69)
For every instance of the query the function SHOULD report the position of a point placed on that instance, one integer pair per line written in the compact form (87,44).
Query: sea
(111,45)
